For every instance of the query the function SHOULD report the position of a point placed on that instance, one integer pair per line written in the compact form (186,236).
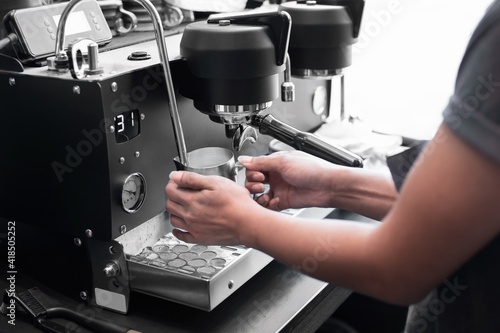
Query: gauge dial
(133,192)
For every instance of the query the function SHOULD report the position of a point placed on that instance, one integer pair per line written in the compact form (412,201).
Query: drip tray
(195,275)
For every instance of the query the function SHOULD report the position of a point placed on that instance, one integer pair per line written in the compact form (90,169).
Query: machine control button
(139,55)
(112,269)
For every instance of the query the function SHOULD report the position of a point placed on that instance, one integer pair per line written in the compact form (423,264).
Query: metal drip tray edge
(204,293)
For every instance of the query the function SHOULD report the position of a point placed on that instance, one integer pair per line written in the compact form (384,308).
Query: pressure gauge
(133,192)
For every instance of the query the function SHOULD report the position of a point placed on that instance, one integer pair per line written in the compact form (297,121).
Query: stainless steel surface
(162,48)
(145,234)
(215,161)
(60,54)
(316,74)
(115,64)
(243,134)
(233,114)
(287,87)
(197,275)
(191,274)
(93,60)
(78,56)
(111,270)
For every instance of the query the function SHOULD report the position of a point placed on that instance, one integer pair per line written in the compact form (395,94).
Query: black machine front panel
(141,143)
(52,165)
(67,169)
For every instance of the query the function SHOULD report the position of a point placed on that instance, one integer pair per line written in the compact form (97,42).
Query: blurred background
(406,60)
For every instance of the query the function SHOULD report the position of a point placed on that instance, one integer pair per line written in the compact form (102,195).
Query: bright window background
(406,61)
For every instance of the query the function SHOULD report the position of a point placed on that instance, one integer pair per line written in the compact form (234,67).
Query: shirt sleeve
(400,164)
(473,112)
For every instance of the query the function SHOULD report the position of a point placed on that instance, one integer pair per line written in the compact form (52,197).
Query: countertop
(277,299)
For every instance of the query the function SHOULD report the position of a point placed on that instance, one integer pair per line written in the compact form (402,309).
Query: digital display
(75,24)
(127,126)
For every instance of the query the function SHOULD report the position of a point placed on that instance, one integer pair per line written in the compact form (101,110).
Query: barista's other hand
(296,179)
(206,209)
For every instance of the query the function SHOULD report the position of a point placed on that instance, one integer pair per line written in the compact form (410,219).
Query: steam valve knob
(93,55)
(112,269)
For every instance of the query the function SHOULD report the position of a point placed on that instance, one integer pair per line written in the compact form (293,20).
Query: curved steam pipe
(61,56)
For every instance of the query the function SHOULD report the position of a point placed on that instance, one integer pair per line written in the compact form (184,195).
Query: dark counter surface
(277,299)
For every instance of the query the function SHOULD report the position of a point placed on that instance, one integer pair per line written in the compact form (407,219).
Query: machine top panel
(116,62)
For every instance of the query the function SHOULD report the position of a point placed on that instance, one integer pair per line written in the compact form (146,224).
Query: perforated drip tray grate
(195,275)
(195,260)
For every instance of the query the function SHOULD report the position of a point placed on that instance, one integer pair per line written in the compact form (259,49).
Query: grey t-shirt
(473,112)
(469,301)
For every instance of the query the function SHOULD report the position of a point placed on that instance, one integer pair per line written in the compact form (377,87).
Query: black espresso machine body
(87,161)
(72,159)
(78,154)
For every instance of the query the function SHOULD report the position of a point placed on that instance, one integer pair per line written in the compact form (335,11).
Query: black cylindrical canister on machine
(323,33)
(233,62)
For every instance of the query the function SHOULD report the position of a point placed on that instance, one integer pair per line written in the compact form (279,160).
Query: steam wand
(61,63)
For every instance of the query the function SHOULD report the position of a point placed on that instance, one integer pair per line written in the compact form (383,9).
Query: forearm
(362,191)
(319,247)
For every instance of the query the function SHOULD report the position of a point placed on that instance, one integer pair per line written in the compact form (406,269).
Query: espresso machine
(92,136)
(233,65)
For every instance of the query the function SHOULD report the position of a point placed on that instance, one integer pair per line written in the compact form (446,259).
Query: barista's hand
(207,209)
(296,179)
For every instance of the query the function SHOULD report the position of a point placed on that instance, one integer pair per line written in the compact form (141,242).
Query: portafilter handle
(307,142)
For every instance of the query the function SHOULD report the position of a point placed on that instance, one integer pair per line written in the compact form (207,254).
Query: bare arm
(447,211)
(300,180)
(365,192)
